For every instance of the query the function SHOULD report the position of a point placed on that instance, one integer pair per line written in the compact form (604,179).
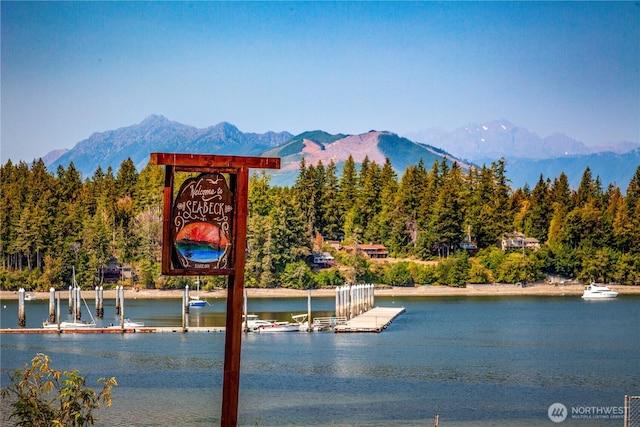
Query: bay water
(475,361)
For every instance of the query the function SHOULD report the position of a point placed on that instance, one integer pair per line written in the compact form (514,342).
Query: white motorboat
(303,323)
(129,324)
(253,322)
(300,325)
(595,291)
(279,327)
(69,325)
(29,297)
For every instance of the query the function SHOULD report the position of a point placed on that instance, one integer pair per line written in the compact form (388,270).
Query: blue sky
(70,69)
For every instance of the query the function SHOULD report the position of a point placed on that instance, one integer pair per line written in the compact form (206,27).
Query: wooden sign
(205,221)
(205,233)
(201,224)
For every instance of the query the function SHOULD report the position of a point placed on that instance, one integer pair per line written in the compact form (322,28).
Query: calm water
(475,361)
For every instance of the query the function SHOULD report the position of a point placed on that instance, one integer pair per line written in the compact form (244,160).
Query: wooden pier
(374,320)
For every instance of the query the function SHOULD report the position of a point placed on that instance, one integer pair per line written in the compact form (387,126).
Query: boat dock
(374,320)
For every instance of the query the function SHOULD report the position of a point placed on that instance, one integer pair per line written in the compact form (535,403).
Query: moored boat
(279,327)
(252,322)
(195,301)
(303,323)
(69,325)
(129,324)
(595,291)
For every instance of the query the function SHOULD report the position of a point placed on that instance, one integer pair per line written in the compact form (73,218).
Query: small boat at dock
(195,301)
(300,324)
(279,327)
(252,322)
(129,324)
(69,325)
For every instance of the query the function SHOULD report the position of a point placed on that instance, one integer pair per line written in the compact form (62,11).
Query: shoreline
(539,289)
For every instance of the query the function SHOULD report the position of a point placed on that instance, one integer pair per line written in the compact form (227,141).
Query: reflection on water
(474,361)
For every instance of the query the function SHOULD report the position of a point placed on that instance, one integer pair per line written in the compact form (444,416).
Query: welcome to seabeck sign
(201,223)
(203,220)
(204,232)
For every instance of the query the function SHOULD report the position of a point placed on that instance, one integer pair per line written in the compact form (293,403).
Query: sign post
(204,233)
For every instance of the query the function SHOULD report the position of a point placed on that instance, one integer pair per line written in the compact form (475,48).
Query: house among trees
(371,251)
(516,240)
(323,259)
(114,272)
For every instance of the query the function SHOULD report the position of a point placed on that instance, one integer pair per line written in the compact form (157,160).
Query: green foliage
(423,274)
(42,396)
(478,273)
(516,268)
(455,270)
(51,223)
(399,275)
(329,278)
(297,275)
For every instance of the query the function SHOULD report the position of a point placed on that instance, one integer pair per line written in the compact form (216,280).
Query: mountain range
(500,138)
(527,155)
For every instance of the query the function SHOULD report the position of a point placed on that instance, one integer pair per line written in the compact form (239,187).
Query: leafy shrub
(45,397)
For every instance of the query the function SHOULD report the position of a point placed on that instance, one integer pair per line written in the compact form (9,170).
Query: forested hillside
(52,222)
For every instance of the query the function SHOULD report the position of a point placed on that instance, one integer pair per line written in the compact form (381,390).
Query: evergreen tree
(586,190)
(380,230)
(448,215)
(305,194)
(126,179)
(369,200)
(332,211)
(502,216)
(482,211)
(537,224)
(349,194)
(149,188)
(633,193)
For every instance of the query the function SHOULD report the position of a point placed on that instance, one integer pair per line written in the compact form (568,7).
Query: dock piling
(97,301)
(78,305)
(22,316)
(101,306)
(117,301)
(122,307)
(58,310)
(185,310)
(52,305)
(309,329)
(244,309)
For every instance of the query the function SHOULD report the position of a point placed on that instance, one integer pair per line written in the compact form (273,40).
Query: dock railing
(326,323)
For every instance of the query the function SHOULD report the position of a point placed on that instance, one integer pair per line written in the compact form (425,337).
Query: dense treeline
(51,222)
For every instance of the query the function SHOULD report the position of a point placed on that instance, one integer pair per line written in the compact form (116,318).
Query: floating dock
(374,320)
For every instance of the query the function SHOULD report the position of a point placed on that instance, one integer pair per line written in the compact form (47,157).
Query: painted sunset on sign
(201,242)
